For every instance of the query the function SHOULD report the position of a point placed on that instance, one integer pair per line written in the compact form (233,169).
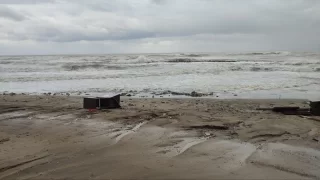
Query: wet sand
(52,137)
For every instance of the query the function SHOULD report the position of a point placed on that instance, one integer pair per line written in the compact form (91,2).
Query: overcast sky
(143,26)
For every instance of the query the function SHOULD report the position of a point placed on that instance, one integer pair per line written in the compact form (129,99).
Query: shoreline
(160,137)
(165,95)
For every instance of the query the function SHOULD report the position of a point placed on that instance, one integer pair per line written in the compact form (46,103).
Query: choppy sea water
(221,75)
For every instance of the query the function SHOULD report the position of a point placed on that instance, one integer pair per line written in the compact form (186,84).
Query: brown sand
(46,137)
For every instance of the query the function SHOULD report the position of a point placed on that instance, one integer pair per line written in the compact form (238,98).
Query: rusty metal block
(109,102)
(315,108)
(90,103)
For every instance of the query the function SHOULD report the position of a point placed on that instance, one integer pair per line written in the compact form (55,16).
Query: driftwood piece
(289,110)
(284,109)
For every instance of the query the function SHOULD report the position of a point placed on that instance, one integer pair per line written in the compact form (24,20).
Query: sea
(258,75)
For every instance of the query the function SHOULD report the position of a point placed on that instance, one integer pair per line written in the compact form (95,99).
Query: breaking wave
(194,55)
(13,58)
(188,60)
(302,63)
(284,53)
(253,69)
(296,64)
(236,69)
(76,67)
(260,69)
(269,69)
(135,60)
(6,62)
(263,53)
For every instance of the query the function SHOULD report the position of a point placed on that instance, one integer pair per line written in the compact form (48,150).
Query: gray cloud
(8,13)
(159,1)
(161,24)
(25,1)
(69,35)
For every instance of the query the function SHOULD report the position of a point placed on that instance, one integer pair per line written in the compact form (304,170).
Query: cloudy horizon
(157,26)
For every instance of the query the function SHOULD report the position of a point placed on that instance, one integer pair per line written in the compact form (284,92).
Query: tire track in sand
(127,132)
(178,146)
(191,144)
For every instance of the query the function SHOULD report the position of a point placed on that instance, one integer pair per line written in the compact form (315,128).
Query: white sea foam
(266,74)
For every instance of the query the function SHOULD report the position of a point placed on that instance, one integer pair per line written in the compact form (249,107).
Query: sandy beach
(53,137)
